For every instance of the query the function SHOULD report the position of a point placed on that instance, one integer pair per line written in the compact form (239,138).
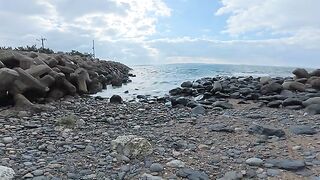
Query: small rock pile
(298,92)
(27,77)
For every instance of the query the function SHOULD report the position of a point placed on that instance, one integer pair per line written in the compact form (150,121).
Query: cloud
(273,16)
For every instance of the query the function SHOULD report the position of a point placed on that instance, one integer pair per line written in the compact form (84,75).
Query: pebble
(156,167)
(7,140)
(254,162)
(176,164)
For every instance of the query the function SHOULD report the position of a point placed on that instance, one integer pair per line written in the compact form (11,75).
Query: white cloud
(274,16)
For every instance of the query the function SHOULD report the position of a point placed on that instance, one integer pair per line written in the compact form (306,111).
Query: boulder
(56,93)
(65,69)
(69,87)
(116,99)
(47,80)
(28,82)
(274,104)
(297,86)
(271,88)
(315,73)
(222,104)
(291,102)
(265,80)
(39,70)
(315,83)
(198,110)
(6,173)
(95,86)
(301,73)
(131,146)
(187,84)
(217,86)
(81,77)
(7,77)
(21,101)
(313,109)
(176,91)
(313,100)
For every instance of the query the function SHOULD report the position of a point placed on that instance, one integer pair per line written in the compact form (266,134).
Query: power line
(42,41)
(93,50)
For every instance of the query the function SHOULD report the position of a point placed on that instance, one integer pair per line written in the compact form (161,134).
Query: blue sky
(256,32)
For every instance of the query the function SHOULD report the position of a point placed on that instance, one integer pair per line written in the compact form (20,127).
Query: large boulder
(132,146)
(313,100)
(7,77)
(301,73)
(315,73)
(116,99)
(297,86)
(292,102)
(315,83)
(217,86)
(6,173)
(271,88)
(186,84)
(265,80)
(39,70)
(313,109)
(27,82)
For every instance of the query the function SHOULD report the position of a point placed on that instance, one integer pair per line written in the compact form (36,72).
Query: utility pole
(42,41)
(93,50)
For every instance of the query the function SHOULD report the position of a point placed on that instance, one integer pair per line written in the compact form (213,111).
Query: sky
(254,32)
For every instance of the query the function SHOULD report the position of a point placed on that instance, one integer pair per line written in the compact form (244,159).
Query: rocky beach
(224,128)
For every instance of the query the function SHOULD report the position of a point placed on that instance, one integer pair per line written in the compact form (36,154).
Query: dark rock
(315,83)
(291,102)
(217,86)
(313,109)
(221,128)
(274,104)
(198,110)
(156,167)
(176,91)
(301,73)
(314,100)
(192,174)
(271,88)
(287,164)
(315,73)
(303,129)
(297,86)
(192,104)
(116,99)
(187,84)
(182,100)
(263,130)
(222,104)
(221,95)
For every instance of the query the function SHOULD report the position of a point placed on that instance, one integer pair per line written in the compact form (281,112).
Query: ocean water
(157,80)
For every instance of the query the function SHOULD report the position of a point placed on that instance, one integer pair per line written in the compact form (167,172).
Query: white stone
(131,146)
(6,173)
(176,164)
(254,161)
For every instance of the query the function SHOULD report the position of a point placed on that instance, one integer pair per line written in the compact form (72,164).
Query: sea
(157,80)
